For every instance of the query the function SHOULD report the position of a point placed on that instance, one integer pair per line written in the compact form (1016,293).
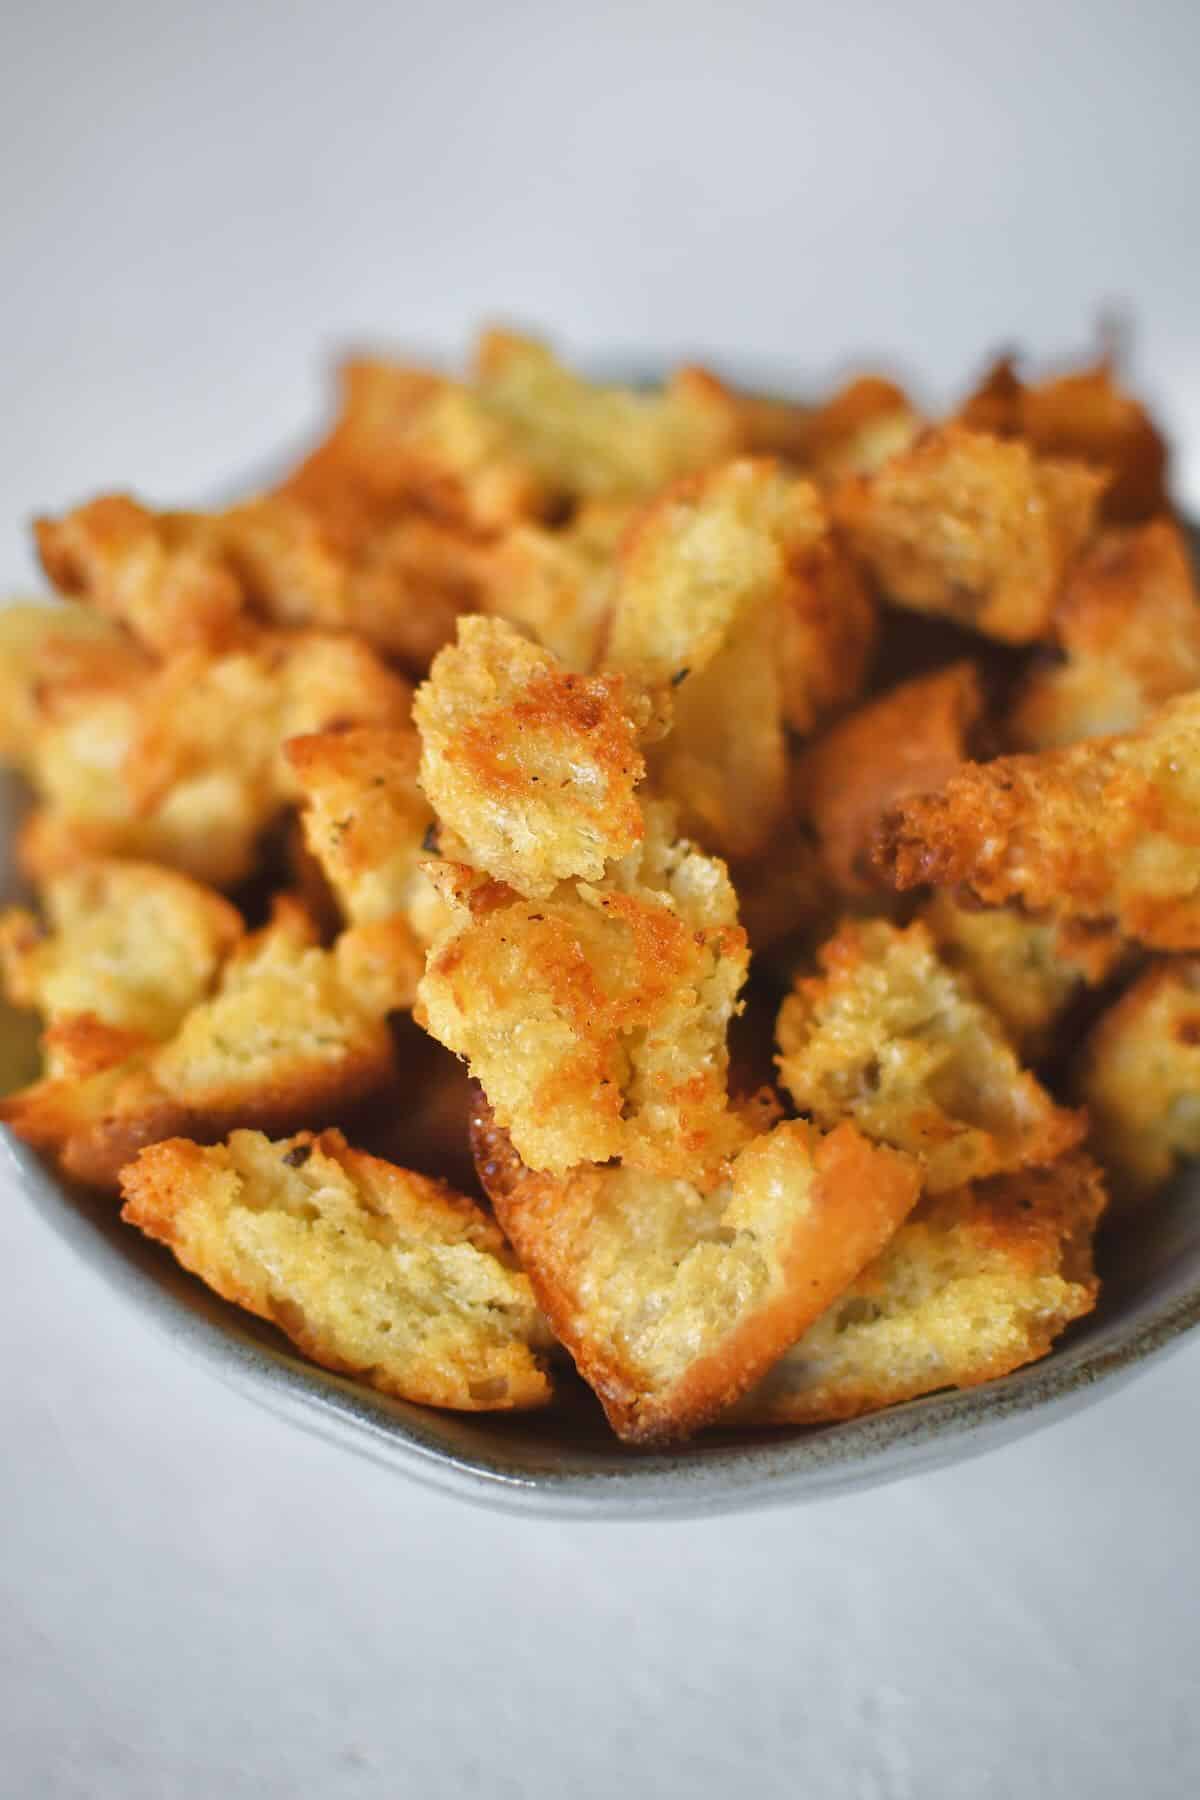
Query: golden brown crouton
(1140,1078)
(731,594)
(973,527)
(292,1033)
(163,574)
(399,580)
(858,429)
(558,584)
(1129,626)
(55,650)
(183,764)
(595,1019)
(769,425)
(672,1299)
(890,1037)
(1084,415)
(526,436)
(321,555)
(124,944)
(532,768)
(1027,971)
(975,1283)
(594,442)
(371,1270)
(907,741)
(368,823)
(1105,830)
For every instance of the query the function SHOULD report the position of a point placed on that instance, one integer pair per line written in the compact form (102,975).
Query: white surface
(193,1600)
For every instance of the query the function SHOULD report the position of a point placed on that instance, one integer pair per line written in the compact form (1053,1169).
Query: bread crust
(836,1200)
(371,1270)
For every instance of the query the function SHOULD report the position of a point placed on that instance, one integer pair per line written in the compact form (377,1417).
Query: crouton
(526,436)
(859,428)
(532,768)
(369,1269)
(673,1300)
(907,741)
(368,824)
(125,944)
(55,649)
(311,554)
(292,1033)
(1027,971)
(769,425)
(973,527)
(731,595)
(558,584)
(1128,624)
(891,1038)
(1105,830)
(399,581)
(1139,1076)
(161,574)
(149,766)
(595,442)
(595,1019)
(976,1283)
(1084,415)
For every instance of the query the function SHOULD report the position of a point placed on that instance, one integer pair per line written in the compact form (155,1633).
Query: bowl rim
(711,1476)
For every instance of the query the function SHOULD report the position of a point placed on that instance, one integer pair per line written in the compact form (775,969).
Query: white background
(196,204)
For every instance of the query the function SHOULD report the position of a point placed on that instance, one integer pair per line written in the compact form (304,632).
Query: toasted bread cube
(322,554)
(558,584)
(400,581)
(891,1038)
(907,741)
(827,633)
(596,442)
(1105,830)
(532,768)
(1140,1078)
(595,1019)
(976,1283)
(293,1032)
(1084,415)
(859,428)
(526,435)
(162,574)
(364,453)
(769,425)
(1088,417)
(1027,971)
(125,944)
(183,764)
(371,1270)
(672,1298)
(1129,626)
(973,527)
(55,649)
(721,595)
(368,823)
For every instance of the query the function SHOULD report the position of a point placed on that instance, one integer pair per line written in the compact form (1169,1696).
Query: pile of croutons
(672,881)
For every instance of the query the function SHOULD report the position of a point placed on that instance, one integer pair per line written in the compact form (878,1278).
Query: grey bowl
(567,1464)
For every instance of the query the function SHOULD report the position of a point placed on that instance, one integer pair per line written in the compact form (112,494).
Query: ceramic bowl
(566,1463)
